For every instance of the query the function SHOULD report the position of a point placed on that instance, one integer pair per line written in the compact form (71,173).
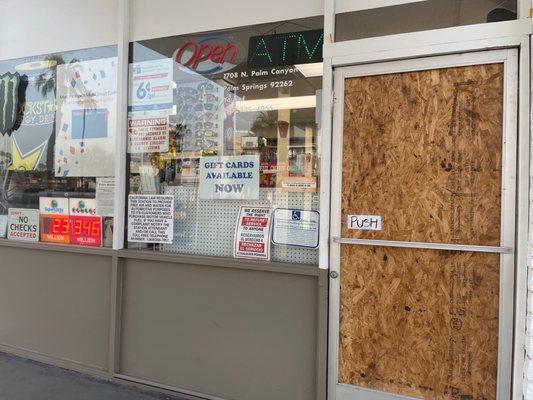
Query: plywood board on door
(423,150)
(422,323)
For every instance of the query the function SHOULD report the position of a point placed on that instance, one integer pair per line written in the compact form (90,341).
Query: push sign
(364,222)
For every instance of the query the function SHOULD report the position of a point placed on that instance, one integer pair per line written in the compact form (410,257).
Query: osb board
(423,150)
(422,323)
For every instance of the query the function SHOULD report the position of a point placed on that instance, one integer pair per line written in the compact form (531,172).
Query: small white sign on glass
(294,227)
(252,236)
(150,218)
(229,177)
(105,196)
(23,224)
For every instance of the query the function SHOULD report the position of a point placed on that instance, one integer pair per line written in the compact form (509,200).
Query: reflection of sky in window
(303,86)
(181,74)
(65,56)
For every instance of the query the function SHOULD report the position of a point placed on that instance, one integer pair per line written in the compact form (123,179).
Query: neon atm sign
(213,54)
(286,49)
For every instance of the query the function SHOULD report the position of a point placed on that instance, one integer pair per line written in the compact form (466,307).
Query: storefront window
(223,142)
(57,147)
(420,16)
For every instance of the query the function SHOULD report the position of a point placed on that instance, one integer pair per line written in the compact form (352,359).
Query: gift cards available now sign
(229,177)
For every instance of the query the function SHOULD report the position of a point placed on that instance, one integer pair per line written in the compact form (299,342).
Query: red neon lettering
(182,49)
(203,52)
(233,49)
(217,54)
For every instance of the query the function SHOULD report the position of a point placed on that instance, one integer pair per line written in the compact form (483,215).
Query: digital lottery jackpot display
(54,220)
(70,221)
(85,225)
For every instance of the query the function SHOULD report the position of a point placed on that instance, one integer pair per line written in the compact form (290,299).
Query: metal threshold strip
(422,245)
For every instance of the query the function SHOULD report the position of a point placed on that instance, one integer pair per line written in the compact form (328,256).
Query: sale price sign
(85,227)
(252,236)
(151,86)
(54,220)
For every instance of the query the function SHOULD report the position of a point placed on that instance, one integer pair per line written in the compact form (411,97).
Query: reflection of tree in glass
(46,81)
(86,98)
(265,124)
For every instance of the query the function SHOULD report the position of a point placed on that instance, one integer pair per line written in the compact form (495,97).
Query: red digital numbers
(70,221)
(77,227)
(86,230)
(87,227)
(55,229)
(60,226)
(96,229)
(55,225)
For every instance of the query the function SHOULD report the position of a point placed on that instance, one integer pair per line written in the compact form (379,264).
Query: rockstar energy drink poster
(27,114)
(30,146)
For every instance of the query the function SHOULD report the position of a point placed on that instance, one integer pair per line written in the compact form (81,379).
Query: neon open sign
(285,49)
(208,55)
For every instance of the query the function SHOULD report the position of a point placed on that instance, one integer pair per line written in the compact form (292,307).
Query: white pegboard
(207,227)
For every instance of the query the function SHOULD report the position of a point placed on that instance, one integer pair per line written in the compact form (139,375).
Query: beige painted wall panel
(33,27)
(237,334)
(56,304)
(160,18)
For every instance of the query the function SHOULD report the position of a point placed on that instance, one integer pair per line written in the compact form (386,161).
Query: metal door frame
(509,57)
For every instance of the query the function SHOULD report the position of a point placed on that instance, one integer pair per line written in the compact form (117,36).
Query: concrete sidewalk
(22,379)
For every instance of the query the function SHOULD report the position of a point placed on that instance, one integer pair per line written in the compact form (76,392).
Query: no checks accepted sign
(23,224)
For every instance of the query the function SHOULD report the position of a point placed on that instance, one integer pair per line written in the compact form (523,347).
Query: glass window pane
(57,147)
(241,107)
(421,16)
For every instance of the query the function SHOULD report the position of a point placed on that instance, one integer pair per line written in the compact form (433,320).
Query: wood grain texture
(419,322)
(423,150)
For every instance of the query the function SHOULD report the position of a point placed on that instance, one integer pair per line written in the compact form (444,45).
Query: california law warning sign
(150,218)
(252,236)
